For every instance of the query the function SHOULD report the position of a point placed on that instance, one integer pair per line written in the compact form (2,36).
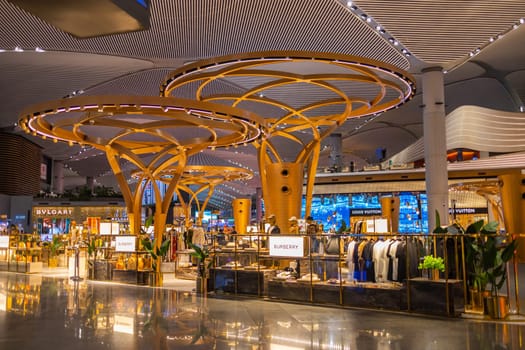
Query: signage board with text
(287,246)
(125,243)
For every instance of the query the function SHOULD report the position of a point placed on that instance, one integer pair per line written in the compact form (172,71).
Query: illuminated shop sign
(365,212)
(54,211)
(286,246)
(468,210)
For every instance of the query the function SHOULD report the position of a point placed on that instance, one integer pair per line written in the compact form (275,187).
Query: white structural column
(436,174)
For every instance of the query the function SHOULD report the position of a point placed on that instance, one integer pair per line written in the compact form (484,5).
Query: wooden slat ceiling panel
(206,28)
(442,32)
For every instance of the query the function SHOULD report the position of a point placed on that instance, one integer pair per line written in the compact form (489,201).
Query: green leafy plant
(489,254)
(157,253)
(91,247)
(54,246)
(432,263)
(202,254)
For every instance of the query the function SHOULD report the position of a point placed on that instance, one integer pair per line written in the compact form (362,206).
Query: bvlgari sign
(53,211)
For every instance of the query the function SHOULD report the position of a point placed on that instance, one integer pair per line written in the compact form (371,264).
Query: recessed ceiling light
(19,49)
(39,49)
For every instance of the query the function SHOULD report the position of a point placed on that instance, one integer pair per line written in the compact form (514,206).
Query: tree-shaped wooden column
(202,174)
(143,133)
(304,97)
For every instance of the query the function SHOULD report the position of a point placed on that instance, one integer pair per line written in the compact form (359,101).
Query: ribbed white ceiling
(206,28)
(475,128)
(444,32)
(183,31)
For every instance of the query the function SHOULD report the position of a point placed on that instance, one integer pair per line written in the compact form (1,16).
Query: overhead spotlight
(368,20)
(391,40)
(349,3)
(522,20)
(491,39)
(522,108)
(471,54)
(396,42)
(364,17)
(378,28)
(404,51)
(515,26)
(39,49)
(19,49)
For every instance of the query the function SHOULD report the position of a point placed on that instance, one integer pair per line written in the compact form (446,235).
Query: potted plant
(157,254)
(202,254)
(490,253)
(434,265)
(54,246)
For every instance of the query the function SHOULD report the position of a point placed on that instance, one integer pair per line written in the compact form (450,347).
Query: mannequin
(293,225)
(198,237)
(74,232)
(273,229)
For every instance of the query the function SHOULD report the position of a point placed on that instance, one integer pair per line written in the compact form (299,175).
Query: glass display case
(4,252)
(372,270)
(25,254)
(117,258)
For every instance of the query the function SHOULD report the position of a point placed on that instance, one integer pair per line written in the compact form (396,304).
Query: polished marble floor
(53,312)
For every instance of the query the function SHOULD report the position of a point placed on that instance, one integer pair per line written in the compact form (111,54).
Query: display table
(430,296)
(348,294)
(289,290)
(375,295)
(131,276)
(239,281)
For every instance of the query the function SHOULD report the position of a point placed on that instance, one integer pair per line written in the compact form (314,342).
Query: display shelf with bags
(4,252)
(131,266)
(25,254)
(100,257)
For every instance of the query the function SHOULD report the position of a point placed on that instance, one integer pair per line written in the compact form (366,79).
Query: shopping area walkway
(53,312)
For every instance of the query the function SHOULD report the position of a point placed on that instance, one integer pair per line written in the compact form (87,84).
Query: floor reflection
(58,313)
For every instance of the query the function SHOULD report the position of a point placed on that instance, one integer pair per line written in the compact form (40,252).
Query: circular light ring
(202,174)
(491,188)
(224,125)
(204,72)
